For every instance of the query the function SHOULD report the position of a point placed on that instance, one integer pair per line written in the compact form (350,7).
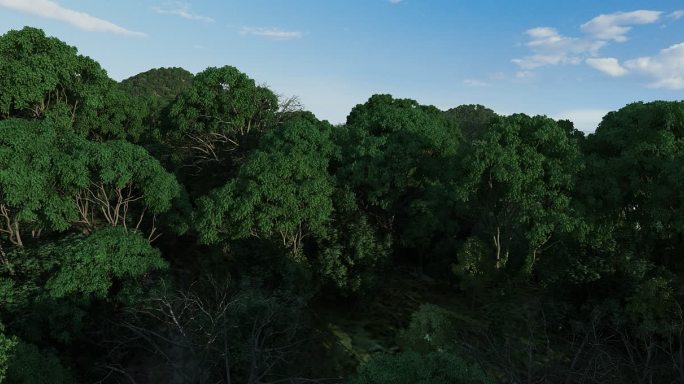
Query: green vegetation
(180,228)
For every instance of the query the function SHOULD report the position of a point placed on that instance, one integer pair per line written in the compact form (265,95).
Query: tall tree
(632,187)
(283,191)
(220,115)
(519,182)
(43,165)
(39,74)
(52,179)
(397,157)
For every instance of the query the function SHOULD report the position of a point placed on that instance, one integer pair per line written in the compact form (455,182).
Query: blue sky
(565,59)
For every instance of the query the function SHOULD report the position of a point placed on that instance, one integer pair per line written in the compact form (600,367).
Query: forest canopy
(199,228)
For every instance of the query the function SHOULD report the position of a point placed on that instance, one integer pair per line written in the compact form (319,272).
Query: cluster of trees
(200,228)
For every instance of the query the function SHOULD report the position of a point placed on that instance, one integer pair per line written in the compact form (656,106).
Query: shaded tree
(412,367)
(39,74)
(519,183)
(217,116)
(396,157)
(472,119)
(158,88)
(283,191)
(631,189)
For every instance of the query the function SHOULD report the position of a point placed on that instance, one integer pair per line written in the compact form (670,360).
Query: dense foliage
(180,228)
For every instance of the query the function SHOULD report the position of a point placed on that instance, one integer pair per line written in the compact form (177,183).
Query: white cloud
(394,1)
(536,61)
(548,47)
(52,10)
(676,15)
(272,33)
(182,10)
(545,38)
(615,26)
(524,75)
(608,65)
(666,68)
(476,83)
(586,120)
(552,48)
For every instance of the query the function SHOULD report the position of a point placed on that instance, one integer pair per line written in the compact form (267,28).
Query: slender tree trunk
(497,244)
(17,234)
(5,260)
(226,350)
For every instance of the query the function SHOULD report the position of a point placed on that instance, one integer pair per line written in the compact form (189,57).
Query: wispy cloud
(551,48)
(52,10)
(394,1)
(271,33)
(182,10)
(488,81)
(476,83)
(676,15)
(666,68)
(615,26)
(524,75)
(548,47)
(608,65)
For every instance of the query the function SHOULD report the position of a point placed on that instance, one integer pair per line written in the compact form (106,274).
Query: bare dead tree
(10,225)
(209,147)
(225,140)
(287,105)
(596,351)
(204,338)
(102,203)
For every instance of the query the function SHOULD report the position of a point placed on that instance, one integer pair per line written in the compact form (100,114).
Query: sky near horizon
(565,59)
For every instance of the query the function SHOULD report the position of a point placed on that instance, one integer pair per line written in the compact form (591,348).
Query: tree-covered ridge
(155,90)
(162,83)
(184,228)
